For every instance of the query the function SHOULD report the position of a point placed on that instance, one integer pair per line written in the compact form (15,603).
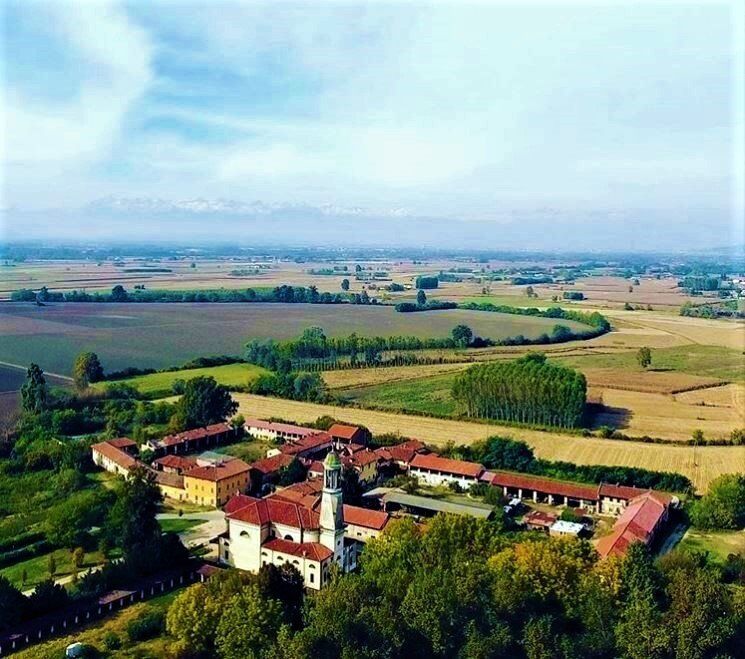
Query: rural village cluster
(309,526)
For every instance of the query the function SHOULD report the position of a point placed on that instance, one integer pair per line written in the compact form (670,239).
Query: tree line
(467,588)
(527,390)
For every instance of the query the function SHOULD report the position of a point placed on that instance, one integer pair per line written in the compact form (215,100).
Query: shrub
(111,641)
(149,624)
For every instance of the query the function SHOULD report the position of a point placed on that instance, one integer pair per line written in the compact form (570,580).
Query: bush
(111,641)
(149,624)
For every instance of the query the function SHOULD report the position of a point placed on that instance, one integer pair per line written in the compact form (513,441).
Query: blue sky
(474,111)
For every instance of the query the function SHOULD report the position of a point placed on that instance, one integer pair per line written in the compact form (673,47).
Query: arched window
(288,537)
(244,534)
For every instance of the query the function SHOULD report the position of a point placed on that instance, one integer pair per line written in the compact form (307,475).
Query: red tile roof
(370,519)
(122,442)
(170,480)
(619,491)
(116,455)
(308,444)
(402,453)
(360,459)
(339,430)
(306,493)
(445,465)
(196,433)
(313,551)
(272,465)
(277,510)
(238,501)
(637,523)
(219,472)
(545,485)
(176,462)
(539,518)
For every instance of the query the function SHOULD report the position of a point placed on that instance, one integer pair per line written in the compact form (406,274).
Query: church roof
(272,510)
(314,551)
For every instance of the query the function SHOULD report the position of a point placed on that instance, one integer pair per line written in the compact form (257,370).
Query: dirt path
(701,464)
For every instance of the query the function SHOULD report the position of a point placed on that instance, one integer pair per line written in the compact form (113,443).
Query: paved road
(213,525)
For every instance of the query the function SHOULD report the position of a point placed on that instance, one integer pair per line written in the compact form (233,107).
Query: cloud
(110,71)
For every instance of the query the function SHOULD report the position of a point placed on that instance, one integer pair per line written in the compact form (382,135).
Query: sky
(590,116)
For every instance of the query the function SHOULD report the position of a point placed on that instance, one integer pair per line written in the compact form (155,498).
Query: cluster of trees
(723,506)
(126,517)
(514,455)
(531,280)
(573,295)
(294,385)
(284,293)
(424,305)
(461,587)
(526,390)
(700,283)
(427,282)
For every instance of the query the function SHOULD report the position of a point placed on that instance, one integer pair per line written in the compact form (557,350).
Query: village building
(346,434)
(641,521)
(537,520)
(433,470)
(115,455)
(276,431)
(268,470)
(174,464)
(310,447)
(563,528)
(400,455)
(214,484)
(191,441)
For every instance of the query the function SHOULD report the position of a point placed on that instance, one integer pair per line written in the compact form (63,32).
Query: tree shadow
(598,415)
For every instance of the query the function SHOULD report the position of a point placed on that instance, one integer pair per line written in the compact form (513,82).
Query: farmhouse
(276,431)
(311,446)
(267,470)
(115,455)
(434,470)
(400,455)
(641,521)
(537,520)
(277,531)
(174,464)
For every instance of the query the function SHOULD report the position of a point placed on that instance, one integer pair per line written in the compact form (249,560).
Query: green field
(712,361)
(158,385)
(718,544)
(429,395)
(37,568)
(163,335)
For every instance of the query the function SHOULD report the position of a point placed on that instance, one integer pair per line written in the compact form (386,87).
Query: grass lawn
(94,635)
(171,506)
(248,450)
(37,568)
(157,385)
(179,525)
(718,543)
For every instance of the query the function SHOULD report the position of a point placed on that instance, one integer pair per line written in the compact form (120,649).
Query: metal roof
(438,505)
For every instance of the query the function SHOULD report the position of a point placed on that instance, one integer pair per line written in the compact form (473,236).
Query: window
(312,577)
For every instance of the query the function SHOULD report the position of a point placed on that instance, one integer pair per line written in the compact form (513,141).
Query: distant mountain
(155,205)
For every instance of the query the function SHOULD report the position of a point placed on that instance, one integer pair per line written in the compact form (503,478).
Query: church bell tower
(332,511)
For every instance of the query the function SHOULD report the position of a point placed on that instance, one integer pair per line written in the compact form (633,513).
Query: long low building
(274,431)
(641,521)
(431,469)
(115,455)
(191,441)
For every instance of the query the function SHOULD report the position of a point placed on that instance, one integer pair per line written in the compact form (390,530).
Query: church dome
(332,461)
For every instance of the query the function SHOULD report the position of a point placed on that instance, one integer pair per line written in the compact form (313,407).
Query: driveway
(213,525)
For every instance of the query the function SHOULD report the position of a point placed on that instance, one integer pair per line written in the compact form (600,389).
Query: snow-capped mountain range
(232,206)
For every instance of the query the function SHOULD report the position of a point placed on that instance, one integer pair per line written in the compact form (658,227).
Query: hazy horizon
(589,126)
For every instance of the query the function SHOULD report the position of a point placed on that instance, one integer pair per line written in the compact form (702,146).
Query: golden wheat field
(700,464)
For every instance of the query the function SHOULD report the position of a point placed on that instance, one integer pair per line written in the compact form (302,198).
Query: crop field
(161,335)
(159,384)
(719,544)
(655,382)
(363,377)
(701,464)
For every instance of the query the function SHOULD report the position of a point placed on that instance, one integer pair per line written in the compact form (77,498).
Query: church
(299,527)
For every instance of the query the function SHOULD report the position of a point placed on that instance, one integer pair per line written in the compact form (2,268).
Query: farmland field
(159,384)
(701,464)
(719,544)
(161,335)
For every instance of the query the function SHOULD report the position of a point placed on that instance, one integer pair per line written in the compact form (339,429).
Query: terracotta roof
(316,467)
(175,462)
(403,452)
(344,431)
(196,433)
(636,524)
(122,442)
(445,465)
(218,472)
(277,510)
(238,501)
(545,485)
(307,444)
(116,455)
(272,465)
(539,518)
(359,459)
(370,519)
(314,551)
(306,493)
(280,428)
(170,480)
(619,491)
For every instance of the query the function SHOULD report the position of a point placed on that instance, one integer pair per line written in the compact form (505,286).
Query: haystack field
(700,464)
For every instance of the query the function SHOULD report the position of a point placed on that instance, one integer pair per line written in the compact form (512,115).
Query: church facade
(308,533)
